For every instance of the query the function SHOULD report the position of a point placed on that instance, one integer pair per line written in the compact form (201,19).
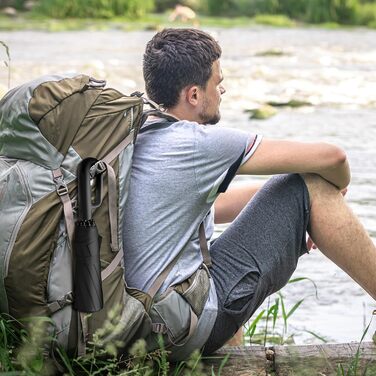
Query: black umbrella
(87,288)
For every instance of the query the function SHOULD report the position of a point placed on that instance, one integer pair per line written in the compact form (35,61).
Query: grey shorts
(257,254)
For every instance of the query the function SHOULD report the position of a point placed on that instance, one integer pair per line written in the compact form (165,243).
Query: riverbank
(154,21)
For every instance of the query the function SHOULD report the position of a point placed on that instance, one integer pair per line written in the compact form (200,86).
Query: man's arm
(230,203)
(278,157)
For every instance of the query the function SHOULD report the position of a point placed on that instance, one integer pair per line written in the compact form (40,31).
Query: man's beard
(206,118)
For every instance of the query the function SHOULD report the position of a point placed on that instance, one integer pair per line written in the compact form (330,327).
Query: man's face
(211,97)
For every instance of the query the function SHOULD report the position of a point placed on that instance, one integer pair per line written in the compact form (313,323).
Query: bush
(94,8)
(219,7)
(293,8)
(242,7)
(319,11)
(366,14)
(346,11)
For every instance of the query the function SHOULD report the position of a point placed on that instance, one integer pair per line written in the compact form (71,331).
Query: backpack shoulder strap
(166,119)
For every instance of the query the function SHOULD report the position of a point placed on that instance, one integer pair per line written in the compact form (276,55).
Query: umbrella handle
(85,204)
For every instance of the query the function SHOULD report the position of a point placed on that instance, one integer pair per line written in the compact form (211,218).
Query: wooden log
(295,360)
(241,361)
(325,359)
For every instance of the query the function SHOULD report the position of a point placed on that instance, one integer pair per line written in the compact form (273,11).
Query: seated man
(180,175)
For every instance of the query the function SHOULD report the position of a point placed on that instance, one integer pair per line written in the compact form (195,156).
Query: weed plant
(353,367)
(24,350)
(270,326)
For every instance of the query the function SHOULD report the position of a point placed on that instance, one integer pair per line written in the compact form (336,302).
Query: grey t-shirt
(177,172)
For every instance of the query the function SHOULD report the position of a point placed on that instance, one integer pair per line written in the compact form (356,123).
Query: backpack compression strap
(62,191)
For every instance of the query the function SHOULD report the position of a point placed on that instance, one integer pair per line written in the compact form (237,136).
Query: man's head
(182,72)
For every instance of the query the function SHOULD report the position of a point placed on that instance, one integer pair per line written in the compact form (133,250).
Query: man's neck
(182,114)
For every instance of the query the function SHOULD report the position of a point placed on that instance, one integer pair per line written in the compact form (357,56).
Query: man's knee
(318,187)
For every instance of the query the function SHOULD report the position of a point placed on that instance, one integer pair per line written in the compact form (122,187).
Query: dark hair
(176,58)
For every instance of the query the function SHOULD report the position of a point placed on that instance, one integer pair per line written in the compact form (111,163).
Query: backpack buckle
(159,328)
(97,168)
(61,186)
(62,190)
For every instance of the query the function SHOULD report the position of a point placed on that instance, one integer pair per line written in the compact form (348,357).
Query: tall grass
(271,325)
(353,367)
(24,351)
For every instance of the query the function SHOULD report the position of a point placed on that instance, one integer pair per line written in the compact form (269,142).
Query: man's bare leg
(338,233)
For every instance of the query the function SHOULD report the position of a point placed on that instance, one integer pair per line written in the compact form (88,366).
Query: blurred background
(359,12)
(296,69)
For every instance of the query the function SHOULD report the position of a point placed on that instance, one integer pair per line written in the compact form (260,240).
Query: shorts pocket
(242,294)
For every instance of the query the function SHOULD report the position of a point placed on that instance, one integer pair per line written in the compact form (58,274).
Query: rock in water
(261,113)
(294,103)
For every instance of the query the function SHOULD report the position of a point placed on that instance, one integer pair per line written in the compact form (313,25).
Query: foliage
(366,14)
(341,11)
(353,366)
(270,326)
(23,351)
(314,11)
(94,8)
(277,20)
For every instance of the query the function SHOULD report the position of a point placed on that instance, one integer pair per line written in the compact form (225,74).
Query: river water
(333,69)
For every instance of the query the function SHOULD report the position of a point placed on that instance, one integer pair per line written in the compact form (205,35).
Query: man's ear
(192,95)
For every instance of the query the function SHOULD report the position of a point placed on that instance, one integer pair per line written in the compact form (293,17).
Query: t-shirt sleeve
(219,152)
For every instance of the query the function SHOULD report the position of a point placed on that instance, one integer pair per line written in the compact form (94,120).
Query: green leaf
(294,308)
(252,328)
(224,361)
(323,339)
(299,279)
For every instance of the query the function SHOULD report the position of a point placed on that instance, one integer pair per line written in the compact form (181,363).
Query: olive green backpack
(47,127)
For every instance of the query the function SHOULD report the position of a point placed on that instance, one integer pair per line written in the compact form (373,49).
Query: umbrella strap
(63,193)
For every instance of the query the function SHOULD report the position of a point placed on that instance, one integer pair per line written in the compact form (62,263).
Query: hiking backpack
(47,127)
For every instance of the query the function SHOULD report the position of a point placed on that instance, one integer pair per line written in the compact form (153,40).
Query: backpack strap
(117,150)
(62,191)
(158,113)
(204,246)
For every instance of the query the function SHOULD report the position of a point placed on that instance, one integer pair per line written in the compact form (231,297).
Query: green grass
(153,21)
(23,352)
(26,21)
(274,20)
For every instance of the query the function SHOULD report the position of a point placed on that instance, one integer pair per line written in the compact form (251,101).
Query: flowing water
(335,70)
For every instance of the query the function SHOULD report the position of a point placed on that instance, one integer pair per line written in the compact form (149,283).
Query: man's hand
(310,243)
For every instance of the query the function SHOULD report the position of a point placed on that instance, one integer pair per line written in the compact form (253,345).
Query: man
(180,174)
